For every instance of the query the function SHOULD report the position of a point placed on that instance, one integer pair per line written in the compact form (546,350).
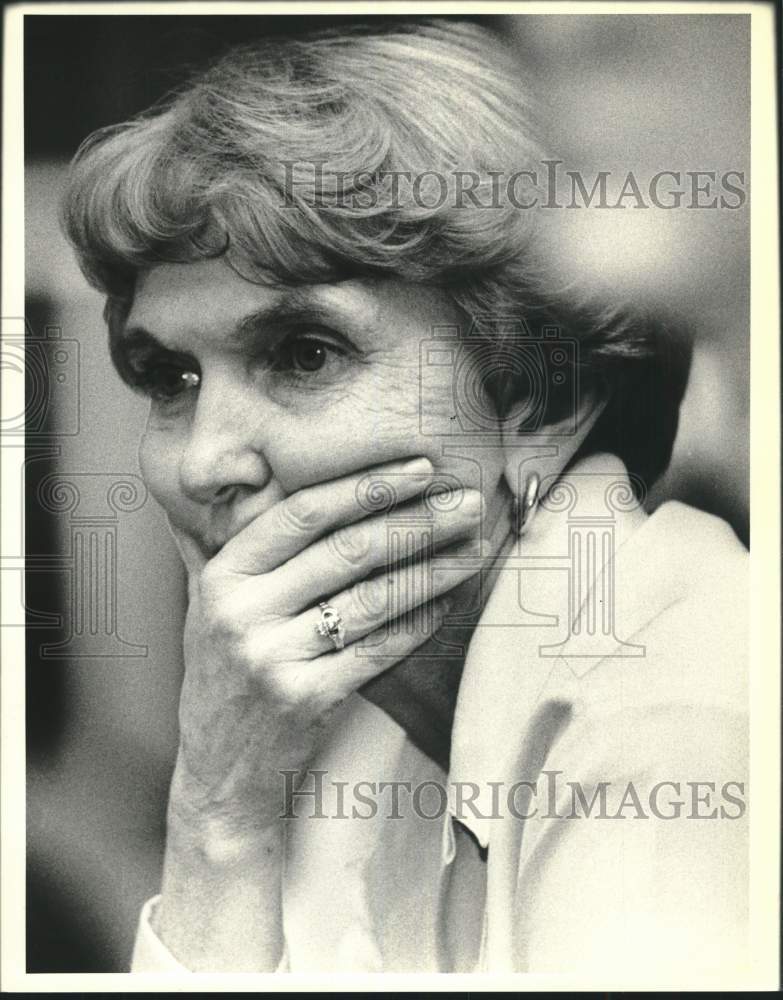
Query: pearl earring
(525,508)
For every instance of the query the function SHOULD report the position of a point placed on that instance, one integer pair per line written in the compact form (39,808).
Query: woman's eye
(165,381)
(309,355)
(306,355)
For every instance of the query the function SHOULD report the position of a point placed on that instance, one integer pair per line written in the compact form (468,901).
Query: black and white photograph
(385,587)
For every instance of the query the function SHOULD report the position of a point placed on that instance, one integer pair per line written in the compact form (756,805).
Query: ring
(331,625)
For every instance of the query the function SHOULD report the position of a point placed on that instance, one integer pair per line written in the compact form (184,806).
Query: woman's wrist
(221,899)
(220,837)
(193,805)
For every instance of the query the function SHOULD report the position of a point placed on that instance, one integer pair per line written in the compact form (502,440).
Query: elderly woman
(452,699)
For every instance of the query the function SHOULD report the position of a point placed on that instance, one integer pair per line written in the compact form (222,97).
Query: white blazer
(599,763)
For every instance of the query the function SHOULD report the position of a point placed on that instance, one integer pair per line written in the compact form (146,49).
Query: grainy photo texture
(387,506)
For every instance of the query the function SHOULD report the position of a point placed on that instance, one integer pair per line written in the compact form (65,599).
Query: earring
(525,508)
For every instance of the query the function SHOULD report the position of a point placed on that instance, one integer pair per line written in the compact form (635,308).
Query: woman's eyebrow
(295,306)
(252,328)
(139,338)
(301,306)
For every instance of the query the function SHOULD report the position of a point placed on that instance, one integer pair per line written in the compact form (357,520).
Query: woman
(432,637)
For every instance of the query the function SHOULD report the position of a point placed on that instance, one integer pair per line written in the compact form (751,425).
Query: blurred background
(104,600)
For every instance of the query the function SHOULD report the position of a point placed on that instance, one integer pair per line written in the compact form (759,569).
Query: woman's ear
(550,449)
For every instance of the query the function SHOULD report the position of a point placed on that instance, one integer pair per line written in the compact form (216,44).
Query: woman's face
(284,388)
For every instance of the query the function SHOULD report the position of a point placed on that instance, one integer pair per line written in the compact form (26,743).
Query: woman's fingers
(346,671)
(373,603)
(354,552)
(290,526)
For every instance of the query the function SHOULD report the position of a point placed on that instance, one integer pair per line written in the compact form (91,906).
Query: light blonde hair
(225,167)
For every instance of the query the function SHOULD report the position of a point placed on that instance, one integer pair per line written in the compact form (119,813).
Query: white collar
(523,634)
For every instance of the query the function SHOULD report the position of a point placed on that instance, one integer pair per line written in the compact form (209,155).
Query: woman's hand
(260,683)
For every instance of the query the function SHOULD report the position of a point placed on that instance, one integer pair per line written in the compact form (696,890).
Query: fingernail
(417,467)
(471,503)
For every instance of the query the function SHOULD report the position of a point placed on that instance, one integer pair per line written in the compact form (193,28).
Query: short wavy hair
(225,166)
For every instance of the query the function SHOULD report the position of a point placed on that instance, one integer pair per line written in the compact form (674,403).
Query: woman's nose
(223,454)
